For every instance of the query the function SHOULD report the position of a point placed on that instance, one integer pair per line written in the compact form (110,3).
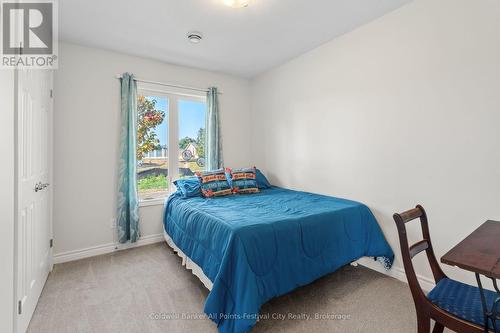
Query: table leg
(494,313)
(496,306)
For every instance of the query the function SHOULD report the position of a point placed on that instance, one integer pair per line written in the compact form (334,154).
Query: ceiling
(243,42)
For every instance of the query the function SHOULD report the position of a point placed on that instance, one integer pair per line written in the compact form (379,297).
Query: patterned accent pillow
(244,180)
(214,183)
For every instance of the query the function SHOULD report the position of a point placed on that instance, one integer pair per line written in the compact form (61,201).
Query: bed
(248,249)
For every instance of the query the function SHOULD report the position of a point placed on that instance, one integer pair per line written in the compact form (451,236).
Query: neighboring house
(192,149)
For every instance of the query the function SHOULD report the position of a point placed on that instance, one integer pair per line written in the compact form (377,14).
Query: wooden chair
(427,308)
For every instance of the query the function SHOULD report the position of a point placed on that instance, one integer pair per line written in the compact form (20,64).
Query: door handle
(39,186)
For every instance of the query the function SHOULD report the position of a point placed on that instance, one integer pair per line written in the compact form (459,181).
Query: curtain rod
(170,85)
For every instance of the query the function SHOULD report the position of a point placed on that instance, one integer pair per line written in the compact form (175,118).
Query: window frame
(173,97)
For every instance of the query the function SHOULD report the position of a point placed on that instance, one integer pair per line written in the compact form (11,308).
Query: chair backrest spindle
(409,252)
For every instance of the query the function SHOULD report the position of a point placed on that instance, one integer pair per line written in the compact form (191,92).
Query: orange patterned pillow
(214,183)
(244,180)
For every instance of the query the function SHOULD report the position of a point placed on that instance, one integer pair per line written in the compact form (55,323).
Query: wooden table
(480,253)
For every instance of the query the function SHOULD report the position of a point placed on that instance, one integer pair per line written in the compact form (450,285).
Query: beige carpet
(133,291)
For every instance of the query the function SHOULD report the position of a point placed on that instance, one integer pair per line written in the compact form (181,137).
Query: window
(170,140)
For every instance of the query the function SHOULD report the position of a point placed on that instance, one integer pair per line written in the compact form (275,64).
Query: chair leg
(438,328)
(424,324)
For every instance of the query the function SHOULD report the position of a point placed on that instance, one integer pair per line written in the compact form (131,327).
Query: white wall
(86,121)
(7,200)
(403,110)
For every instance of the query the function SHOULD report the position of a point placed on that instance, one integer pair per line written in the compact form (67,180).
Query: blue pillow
(262,181)
(228,177)
(189,187)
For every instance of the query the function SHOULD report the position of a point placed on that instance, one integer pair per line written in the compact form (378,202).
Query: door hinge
(19,307)
(50,93)
(51,242)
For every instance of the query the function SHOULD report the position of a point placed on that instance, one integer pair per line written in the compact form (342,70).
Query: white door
(33,228)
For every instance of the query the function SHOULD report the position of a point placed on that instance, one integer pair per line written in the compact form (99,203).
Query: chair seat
(462,300)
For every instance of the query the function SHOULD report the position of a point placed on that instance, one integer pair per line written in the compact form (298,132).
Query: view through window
(170,141)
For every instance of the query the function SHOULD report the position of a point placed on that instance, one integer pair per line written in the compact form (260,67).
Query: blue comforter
(258,246)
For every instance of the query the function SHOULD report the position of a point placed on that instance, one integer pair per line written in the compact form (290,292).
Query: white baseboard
(104,249)
(396,272)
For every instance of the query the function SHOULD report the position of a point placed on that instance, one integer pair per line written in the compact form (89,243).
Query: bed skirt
(188,263)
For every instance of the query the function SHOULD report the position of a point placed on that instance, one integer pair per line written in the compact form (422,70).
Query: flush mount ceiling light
(195,36)
(236,3)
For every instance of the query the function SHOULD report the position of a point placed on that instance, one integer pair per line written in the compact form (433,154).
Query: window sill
(152,202)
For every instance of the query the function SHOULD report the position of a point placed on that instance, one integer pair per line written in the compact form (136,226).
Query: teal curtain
(213,142)
(128,203)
